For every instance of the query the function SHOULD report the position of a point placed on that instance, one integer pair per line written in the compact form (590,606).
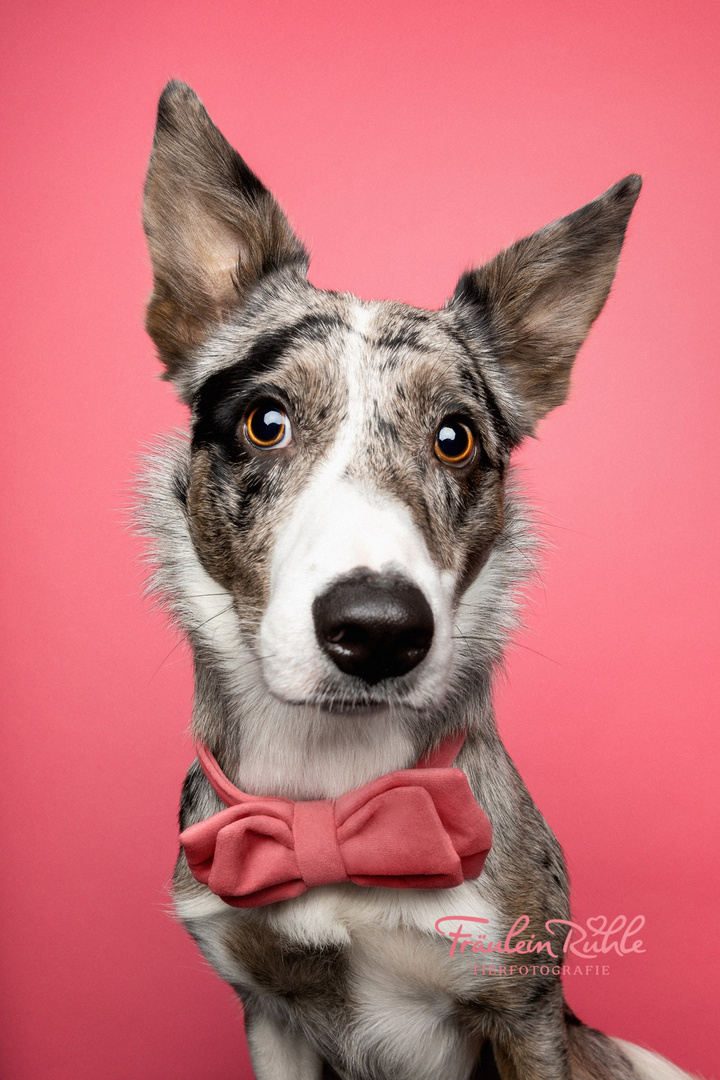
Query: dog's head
(346,482)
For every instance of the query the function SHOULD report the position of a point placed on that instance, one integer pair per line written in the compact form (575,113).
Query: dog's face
(345,490)
(347,475)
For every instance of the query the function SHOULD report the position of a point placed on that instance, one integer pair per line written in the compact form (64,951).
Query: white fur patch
(279,1053)
(216,619)
(411,1030)
(200,905)
(330,914)
(302,753)
(650,1066)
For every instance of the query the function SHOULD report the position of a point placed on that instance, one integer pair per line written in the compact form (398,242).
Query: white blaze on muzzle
(336,530)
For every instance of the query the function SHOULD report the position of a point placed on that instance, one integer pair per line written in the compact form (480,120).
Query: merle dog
(341,542)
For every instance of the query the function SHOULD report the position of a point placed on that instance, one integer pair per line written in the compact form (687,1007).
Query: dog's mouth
(352,696)
(357,706)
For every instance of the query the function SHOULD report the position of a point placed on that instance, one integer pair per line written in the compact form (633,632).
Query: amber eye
(268,426)
(455,443)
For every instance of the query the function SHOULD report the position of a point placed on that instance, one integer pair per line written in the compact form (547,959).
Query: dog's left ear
(533,305)
(213,229)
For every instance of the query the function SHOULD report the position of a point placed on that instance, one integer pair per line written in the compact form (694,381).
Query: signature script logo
(598,937)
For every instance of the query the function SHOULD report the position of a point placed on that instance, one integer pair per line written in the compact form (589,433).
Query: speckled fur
(344,981)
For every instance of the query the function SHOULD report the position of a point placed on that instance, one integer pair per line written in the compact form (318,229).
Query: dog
(342,542)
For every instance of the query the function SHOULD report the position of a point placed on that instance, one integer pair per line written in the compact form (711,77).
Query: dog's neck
(268,747)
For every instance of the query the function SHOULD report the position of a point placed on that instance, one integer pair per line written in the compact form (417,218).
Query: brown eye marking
(267,425)
(455,443)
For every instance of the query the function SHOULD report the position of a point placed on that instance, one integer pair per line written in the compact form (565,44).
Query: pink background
(406,141)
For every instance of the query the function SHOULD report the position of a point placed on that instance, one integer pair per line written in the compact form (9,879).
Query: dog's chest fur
(364,970)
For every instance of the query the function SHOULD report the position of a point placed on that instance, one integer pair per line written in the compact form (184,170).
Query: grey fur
(496,355)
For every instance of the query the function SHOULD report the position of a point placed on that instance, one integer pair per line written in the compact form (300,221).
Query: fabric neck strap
(440,758)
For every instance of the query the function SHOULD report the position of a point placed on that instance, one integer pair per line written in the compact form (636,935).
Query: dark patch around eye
(477,378)
(219,401)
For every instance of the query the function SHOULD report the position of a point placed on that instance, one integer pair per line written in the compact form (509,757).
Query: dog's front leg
(539,1056)
(531,1042)
(540,1052)
(278,1050)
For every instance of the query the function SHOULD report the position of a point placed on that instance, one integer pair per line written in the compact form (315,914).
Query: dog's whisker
(554,525)
(516,644)
(523,555)
(528,648)
(257,659)
(182,642)
(200,625)
(202,596)
(178,643)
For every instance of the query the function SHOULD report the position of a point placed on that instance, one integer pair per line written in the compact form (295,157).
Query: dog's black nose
(373,625)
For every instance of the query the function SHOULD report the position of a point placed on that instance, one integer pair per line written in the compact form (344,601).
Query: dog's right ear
(534,304)
(212,227)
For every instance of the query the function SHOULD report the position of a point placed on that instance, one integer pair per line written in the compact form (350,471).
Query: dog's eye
(267,425)
(455,443)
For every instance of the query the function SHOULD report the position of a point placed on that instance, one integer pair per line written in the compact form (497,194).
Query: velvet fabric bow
(415,828)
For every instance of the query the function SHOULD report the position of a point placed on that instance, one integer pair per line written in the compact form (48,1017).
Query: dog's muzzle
(375,626)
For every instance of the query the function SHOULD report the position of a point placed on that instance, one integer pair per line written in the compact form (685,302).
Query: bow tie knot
(410,829)
(318,863)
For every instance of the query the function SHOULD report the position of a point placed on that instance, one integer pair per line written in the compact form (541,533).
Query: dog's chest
(366,968)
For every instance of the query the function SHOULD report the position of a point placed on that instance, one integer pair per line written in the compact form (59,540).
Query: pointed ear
(212,227)
(534,304)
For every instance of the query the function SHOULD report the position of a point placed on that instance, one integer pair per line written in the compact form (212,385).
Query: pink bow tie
(415,828)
